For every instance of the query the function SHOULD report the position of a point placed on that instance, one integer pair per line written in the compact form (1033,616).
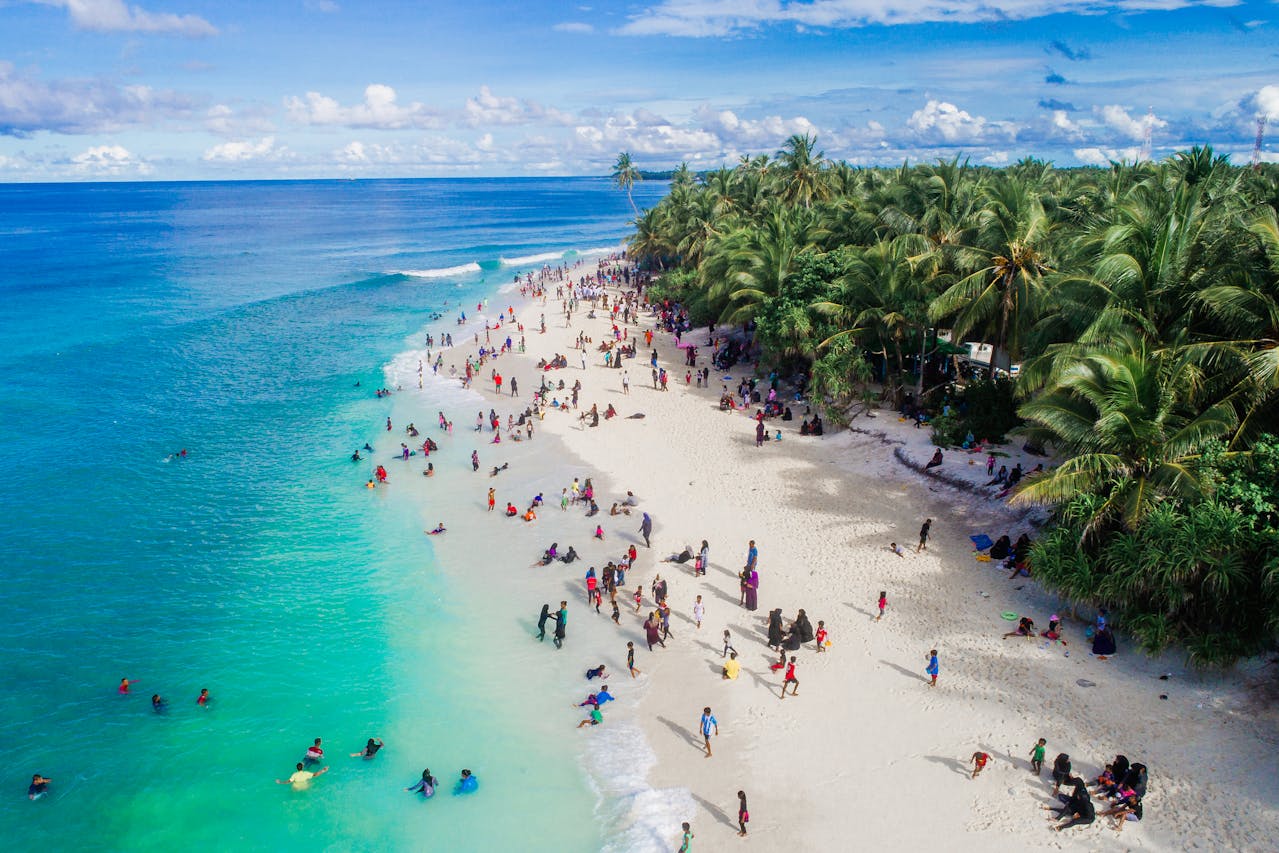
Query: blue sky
(182,89)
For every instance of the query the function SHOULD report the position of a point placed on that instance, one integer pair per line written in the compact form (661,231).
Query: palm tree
(1129,423)
(801,171)
(1006,292)
(625,174)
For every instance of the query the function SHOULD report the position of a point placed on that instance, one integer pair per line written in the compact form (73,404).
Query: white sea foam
(636,817)
(440,272)
(602,250)
(525,260)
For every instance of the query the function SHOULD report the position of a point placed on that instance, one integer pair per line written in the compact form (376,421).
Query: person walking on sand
(646,529)
(979,760)
(699,611)
(932,669)
(630,659)
(743,815)
(652,631)
(883,603)
(728,644)
(923,535)
(790,679)
(708,724)
(686,845)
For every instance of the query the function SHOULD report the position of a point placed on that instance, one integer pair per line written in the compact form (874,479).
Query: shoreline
(807,503)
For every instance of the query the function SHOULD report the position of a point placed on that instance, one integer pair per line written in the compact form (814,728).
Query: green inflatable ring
(1009,615)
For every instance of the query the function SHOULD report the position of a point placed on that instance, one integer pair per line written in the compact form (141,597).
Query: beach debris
(1083,682)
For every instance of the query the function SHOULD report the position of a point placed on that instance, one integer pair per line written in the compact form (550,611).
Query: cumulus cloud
(29,105)
(114,16)
(1267,100)
(489,109)
(108,161)
(1103,156)
(224,121)
(1117,118)
(240,151)
(648,134)
(736,132)
(943,121)
(379,110)
(701,18)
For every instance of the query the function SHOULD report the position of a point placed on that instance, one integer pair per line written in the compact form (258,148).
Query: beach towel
(981,542)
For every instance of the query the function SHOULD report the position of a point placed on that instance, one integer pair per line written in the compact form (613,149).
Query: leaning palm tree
(625,174)
(1129,423)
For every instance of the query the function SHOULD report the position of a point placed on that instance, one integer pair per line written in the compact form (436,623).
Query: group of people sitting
(1121,786)
(556,363)
(814,428)
(1015,557)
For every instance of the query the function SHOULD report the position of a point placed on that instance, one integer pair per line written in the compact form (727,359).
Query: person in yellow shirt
(732,667)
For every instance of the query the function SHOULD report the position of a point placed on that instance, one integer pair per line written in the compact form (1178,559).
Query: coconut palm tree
(801,170)
(1129,422)
(625,174)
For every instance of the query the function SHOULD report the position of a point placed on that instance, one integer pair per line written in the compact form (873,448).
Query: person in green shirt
(594,719)
(688,838)
(1037,756)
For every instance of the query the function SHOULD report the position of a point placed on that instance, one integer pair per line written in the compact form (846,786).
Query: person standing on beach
(752,556)
(687,845)
(646,529)
(541,622)
(475,460)
(923,535)
(699,611)
(883,602)
(492,498)
(561,624)
(514,387)
(708,724)
(630,659)
(728,644)
(652,631)
(626,382)
(1037,756)
(932,669)
(743,815)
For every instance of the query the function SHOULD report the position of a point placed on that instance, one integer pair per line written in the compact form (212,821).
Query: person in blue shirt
(932,669)
(708,724)
(467,784)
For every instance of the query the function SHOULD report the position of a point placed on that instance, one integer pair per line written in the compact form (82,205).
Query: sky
(261,89)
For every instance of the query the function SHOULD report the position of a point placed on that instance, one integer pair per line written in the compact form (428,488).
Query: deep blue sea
(234,320)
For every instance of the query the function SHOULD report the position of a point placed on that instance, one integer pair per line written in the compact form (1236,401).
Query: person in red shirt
(790,679)
(203,700)
(979,760)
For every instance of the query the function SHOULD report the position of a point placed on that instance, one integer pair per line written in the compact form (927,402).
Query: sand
(866,755)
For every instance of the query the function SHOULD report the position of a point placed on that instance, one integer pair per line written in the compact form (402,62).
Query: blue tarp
(981,541)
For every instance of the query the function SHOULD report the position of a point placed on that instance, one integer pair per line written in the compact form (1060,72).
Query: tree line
(1140,303)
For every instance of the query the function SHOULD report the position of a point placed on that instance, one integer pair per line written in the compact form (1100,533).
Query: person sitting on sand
(550,555)
(511,511)
(1025,628)
(935,461)
(732,667)
(896,549)
(1001,549)
(618,509)
(1129,808)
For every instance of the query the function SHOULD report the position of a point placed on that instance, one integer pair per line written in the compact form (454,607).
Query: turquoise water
(234,319)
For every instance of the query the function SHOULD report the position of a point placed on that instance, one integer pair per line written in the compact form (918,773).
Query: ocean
(234,320)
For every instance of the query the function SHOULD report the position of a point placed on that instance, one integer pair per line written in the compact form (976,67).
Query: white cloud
(573,27)
(944,120)
(1268,101)
(489,109)
(1104,156)
(108,161)
(769,131)
(239,151)
(379,110)
(29,105)
(326,6)
(224,121)
(113,16)
(645,133)
(701,18)
(1117,118)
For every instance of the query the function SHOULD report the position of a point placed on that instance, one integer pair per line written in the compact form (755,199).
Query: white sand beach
(867,755)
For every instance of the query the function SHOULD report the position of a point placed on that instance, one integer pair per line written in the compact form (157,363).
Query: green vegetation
(1142,302)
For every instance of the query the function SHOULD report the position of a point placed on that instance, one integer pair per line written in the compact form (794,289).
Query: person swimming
(425,786)
(439,528)
(314,753)
(370,749)
(157,703)
(39,787)
(467,784)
